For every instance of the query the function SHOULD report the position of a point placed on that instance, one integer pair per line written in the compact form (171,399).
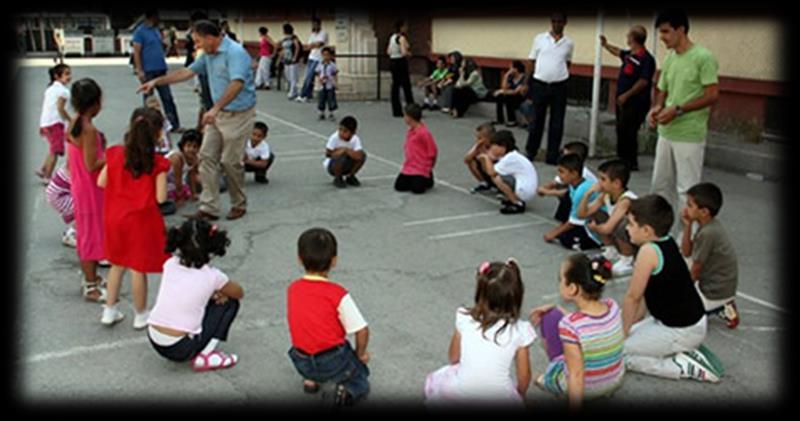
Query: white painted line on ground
(280,136)
(761,328)
(448,218)
(481,231)
(762,302)
(301,152)
(300,158)
(86,349)
(378,177)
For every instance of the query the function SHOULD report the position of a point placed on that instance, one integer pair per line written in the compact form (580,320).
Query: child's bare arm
(523,370)
(614,219)
(102,179)
(454,353)
(233,290)
(696,270)
(687,245)
(574,359)
(362,339)
(161,187)
(583,204)
(646,261)
(62,109)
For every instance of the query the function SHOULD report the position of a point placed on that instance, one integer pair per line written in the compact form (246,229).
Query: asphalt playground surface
(408,261)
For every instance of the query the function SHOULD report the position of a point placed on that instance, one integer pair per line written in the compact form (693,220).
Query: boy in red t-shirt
(321,314)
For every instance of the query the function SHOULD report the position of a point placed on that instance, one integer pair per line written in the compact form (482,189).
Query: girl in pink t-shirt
(196,302)
(420,148)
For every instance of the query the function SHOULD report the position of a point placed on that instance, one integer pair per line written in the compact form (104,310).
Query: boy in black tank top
(668,343)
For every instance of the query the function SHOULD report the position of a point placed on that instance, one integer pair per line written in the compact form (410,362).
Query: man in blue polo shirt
(634,84)
(148,58)
(229,121)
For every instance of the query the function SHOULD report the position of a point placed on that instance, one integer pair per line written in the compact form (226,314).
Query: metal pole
(596,85)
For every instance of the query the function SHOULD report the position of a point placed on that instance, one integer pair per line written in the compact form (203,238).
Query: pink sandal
(226,361)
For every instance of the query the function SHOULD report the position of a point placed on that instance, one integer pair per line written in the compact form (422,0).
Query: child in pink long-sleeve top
(416,175)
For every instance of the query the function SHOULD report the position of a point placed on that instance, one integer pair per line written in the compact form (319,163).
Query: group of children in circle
(113,195)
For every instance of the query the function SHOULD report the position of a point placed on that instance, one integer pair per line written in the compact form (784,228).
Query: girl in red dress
(135,182)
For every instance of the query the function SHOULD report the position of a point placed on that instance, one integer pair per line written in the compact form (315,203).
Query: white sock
(212,345)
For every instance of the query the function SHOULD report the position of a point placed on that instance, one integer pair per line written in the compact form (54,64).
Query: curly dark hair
(195,241)
(589,273)
(141,140)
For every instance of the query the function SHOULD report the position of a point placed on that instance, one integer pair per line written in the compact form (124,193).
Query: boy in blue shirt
(573,233)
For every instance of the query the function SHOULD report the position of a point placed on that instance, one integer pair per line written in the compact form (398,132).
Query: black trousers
(261,173)
(217,321)
(553,97)
(511,103)
(463,98)
(400,79)
(416,184)
(629,118)
(564,208)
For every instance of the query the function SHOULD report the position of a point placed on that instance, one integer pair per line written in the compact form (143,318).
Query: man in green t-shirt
(687,87)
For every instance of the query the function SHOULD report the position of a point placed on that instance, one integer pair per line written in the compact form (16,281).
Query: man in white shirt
(551,56)
(316,41)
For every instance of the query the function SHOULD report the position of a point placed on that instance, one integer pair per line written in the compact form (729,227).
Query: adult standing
(316,41)
(58,40)
(228,123)
(266,46)
(149,62)
(634,84)
(687,87)
(551,56)
(399,51)
(192,52)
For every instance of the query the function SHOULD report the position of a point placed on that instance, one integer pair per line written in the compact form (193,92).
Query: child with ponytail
(54,118)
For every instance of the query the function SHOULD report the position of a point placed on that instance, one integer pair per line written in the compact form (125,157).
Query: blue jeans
(166,98)
(308,84)
(339,365)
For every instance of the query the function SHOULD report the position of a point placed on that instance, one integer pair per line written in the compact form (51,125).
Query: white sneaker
(69,238)
(610,253)
(140,319)
(622,267)
(693,369)
(104,263)
(111,315)
(301,99)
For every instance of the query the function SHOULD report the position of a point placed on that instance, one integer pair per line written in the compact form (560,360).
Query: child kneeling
(196,302)
(416,175)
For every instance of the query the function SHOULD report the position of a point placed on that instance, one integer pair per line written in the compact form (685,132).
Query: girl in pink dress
(86,157)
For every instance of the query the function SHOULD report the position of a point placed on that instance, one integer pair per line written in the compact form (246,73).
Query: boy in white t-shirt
(344,154)
(511,172)
(257,156)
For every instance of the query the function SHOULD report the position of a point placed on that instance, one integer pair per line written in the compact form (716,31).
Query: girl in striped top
(584,347)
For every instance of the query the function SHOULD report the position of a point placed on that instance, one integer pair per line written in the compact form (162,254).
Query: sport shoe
(693,369)
(111,315)
(352,181)
(513,208)
(622,267)
(69,238)
(339,182)
(729,314)
(482,186)
(301,99)
(610,253)
(710,359)
(140,320)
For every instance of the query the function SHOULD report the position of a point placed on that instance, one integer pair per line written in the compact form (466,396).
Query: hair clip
(599,279)
(607,264)
(595,265)
(483,269)
(213,230)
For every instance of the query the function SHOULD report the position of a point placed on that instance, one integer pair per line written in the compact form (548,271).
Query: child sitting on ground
(714,267)
(608,214)
(433,84)
(420,148)
(257,155)
(584,347)
(557,187)
(489,337)
(344,154)
(573,233)
(135,182)
(668,343)
(196,302)
(328,75)
(483,135)
(321,314)
(513,174)
(60,198)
